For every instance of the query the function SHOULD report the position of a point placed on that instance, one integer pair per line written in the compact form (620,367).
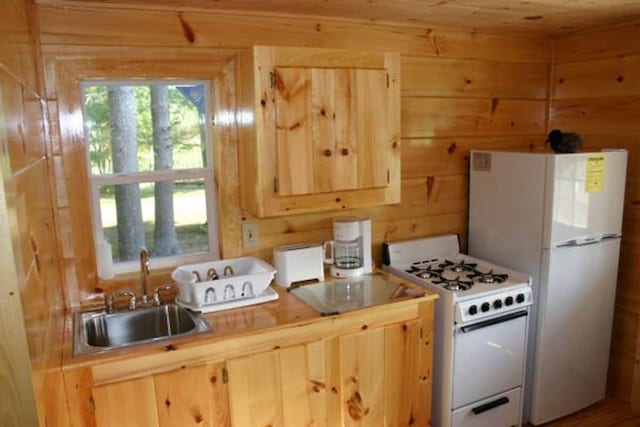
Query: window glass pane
(168,218)
(134,127)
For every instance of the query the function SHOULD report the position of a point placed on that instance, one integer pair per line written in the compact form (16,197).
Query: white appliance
(349,253)
(298,262)
(480,331)
(559,219)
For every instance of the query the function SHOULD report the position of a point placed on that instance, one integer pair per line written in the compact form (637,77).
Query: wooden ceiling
(535,17)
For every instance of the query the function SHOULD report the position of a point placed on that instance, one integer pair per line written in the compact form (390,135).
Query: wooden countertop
(236,332)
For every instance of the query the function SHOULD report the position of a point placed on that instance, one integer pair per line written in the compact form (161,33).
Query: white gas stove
(480,331)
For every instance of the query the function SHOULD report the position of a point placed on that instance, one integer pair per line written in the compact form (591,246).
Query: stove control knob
(508,301)
(485,307)
(497,304)
(520,298)
(473,310)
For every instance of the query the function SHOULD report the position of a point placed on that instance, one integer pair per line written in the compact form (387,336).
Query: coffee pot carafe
(349,253)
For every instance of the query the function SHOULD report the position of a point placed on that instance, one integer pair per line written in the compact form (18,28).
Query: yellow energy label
(595,174)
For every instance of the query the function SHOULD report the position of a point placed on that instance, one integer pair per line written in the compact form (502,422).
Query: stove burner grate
(428,272)
(456,284)
(458,267)
(489,277)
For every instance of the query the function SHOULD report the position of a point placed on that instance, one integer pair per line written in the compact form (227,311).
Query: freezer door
(575,315)
(506,208)
(584,197)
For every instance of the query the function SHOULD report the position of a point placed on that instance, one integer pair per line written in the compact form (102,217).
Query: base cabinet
(367,376)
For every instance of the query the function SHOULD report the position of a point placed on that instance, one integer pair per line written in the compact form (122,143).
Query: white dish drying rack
(224,284)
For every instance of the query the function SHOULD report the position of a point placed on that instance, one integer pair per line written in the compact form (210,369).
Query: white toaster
(301,261)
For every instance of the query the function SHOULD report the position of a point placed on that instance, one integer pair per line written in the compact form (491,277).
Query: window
(151,173)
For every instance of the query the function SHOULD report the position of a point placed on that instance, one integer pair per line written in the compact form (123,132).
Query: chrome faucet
(144,274)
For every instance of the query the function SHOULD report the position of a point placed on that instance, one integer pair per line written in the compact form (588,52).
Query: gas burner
(454,284)
(458,267)
(489,277)
(427,272)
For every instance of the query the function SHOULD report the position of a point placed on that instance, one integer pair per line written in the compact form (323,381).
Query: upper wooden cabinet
(319,129)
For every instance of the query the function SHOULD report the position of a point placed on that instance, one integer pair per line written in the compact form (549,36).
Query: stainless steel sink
(98,331)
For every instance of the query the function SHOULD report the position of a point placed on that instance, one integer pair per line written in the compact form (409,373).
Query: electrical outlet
(250,234)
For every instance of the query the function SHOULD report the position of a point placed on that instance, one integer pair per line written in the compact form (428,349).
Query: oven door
(489,357)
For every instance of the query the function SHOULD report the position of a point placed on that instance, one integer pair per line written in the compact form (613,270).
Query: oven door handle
(495,321)
(490,405)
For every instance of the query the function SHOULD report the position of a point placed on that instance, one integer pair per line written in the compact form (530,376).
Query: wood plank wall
(596,92)
(460,90)
(26,201)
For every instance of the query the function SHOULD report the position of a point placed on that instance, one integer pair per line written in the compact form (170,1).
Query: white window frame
(206,173)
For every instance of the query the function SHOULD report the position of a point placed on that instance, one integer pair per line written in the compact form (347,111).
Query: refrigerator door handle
(588,240)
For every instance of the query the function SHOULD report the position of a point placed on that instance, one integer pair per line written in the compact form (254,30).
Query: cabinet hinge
(225,375)
(388,176)
(272,79)
(275,184)
(387,80)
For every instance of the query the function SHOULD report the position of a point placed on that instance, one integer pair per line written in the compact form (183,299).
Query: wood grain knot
(412,420)
(534,17)
(327,152)
(561,80)
(353,379)
(334,390)
(620,79)
(323,112)
(167,402)
(452,148)
(395,144)
(364,327)
(213,379)
(635,202)
(338,199)
(356,407)
(263,102)
(294,126)
(187,30)
(344,152)
(404,328)
(316,386)
(198,418)
(494,104)
(469,81)
(170,347)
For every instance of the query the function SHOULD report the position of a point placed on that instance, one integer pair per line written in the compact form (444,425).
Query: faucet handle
(109,304)
(156,293)
(132,297)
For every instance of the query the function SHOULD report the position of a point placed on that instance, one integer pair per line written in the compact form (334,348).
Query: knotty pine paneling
(596,92)
(469,78)
(26,200)
(432,117)
(78,26)
(446,114)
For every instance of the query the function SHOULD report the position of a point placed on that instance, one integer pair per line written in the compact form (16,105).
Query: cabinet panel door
(291,387)
(128,403)
(374,144)
(294,131)
(255,391)
(193,396)
(362,361)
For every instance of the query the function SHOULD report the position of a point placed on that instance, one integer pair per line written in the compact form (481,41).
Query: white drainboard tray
(219,283)
(267,295)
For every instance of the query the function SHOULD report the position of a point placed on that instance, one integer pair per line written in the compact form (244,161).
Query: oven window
(151,172)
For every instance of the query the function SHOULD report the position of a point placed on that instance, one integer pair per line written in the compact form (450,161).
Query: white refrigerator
(558,218)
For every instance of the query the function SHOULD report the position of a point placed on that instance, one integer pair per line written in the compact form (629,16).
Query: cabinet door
(331,129)
(285,387)
(128,403)
(194,396)
(190,396)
